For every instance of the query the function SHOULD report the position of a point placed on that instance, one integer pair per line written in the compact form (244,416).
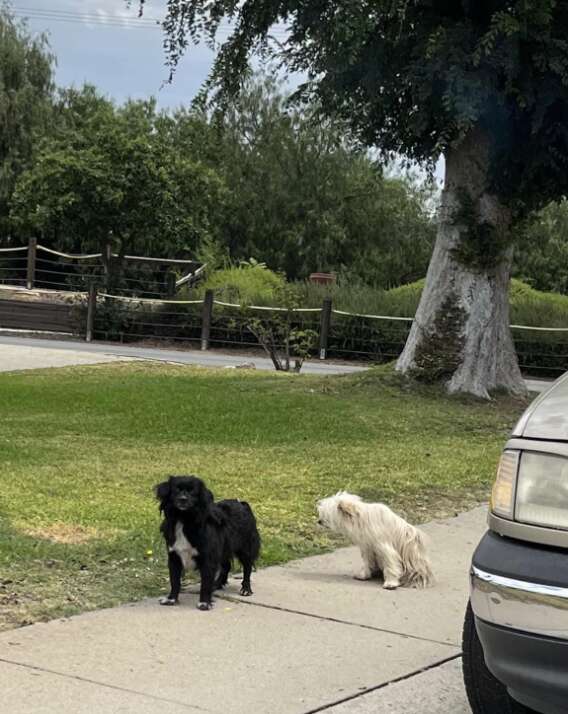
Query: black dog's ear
(162,491)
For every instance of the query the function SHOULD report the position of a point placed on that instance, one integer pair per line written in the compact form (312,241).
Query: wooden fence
(38,316)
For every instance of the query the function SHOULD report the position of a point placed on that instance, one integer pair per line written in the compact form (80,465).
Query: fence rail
(37,266)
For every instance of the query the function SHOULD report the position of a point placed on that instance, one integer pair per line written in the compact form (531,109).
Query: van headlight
(542,490)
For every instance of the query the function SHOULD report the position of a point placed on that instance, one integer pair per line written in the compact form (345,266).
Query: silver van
(515,638)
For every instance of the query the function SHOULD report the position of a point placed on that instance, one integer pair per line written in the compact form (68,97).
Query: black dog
(205,536)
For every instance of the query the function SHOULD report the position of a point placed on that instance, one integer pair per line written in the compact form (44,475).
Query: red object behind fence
(322,278)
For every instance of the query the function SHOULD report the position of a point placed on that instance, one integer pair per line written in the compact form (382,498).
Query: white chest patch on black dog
(184,549)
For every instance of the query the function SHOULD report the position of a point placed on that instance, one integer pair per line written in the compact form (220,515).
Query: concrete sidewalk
(310,639)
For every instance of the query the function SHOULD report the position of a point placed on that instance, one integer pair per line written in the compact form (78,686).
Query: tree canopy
(485,82)
(255,181)
(115,174)
(414,77)
(26,85)
(305,199)
(542,256)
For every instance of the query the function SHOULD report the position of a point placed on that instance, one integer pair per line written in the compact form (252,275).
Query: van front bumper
(519,596)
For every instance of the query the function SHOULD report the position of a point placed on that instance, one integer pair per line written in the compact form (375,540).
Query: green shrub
(535,308)
(528,306)
(363,299)
(247,283)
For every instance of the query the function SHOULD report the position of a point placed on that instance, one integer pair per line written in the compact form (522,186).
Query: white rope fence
(372,317)
(151,300)
(69,256)
(267,308)
(273,308)
(539,329)
(190,276)
(88,256)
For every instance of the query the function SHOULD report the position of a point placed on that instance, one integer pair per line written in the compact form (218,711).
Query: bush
(528,306)
(363,299)
(246,283)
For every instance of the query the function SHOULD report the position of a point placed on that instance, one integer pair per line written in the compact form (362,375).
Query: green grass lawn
(81,449)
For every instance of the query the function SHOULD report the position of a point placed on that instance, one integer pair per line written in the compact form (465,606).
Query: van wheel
(486,694)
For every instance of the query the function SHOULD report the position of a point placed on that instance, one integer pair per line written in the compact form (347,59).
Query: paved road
(311,639)
(79,352)
(18,352)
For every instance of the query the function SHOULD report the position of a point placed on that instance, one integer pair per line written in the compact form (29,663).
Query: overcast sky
(104,43)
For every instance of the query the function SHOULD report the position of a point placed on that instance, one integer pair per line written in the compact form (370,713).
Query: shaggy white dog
(389,545)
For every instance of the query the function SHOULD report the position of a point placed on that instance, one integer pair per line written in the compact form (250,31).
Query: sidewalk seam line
(229,598)
(78,677)
(396,680)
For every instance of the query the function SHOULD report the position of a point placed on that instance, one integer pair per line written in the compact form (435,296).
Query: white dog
(389,545)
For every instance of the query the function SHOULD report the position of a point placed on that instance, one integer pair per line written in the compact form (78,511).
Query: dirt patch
(65,533)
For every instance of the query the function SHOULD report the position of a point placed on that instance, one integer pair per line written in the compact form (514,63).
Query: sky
(103,42)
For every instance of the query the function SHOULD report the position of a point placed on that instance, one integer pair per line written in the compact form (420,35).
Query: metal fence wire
(541,351)
(147,320)
(13,266)
(379,338)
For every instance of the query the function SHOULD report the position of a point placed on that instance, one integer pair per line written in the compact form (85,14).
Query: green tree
(542,257)
(392,233)
(304,199)
(111,174)
(26,85)
(485,83)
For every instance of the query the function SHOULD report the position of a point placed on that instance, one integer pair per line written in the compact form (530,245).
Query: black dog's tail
(242,518)
(246,504)
(256,541)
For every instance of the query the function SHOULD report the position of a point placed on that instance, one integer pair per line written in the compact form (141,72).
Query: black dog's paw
(167,601)
(246,591)
(205,606)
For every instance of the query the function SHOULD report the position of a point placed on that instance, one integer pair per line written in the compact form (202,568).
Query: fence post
(32,252)
(324,327)
(206,319)
(107,265)
(91,309)
(170,284)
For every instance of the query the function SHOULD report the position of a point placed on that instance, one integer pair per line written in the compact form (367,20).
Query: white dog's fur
(389,545)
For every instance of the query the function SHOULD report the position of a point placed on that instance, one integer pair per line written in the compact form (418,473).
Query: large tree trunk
(461,332)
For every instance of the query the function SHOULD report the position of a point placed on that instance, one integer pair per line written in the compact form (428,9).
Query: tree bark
(461,334)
